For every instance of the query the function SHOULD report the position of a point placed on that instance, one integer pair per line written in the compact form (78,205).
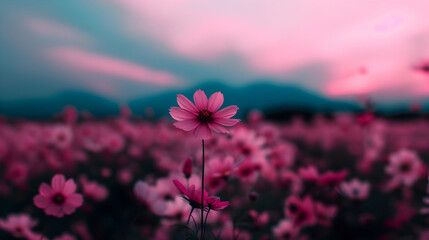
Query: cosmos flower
(19,225)
(285,230)
(355,189)
(216,204)
(149,197)
(192,195)
(300,211)
(404,166)
(203,117)
(60,198)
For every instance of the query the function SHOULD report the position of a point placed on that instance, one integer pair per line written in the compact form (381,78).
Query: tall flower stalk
(203,119)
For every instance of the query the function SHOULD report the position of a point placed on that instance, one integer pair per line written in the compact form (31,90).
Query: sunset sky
(126,49)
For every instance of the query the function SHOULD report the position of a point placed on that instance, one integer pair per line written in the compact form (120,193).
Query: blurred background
(283,55)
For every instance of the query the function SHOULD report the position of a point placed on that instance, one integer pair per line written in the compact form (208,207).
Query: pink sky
(387,38)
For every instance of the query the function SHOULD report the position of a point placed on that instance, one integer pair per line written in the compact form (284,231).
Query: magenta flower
(19,225)
(203,117)
(192,195)
(216,204)
(355,189)
(60,198)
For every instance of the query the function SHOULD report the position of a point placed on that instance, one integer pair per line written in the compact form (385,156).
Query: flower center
(59,198)
(205,116)
(405,167)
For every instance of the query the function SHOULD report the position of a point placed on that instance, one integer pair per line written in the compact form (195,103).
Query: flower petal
(186,104)
(41,201)
(54,210)
(215,101)
(58,182)
(227,112)
(226,121)
(217,128)
(200,100)
(69,187)
(180,187)
(203,131)
(68,208)
(186,125)
(181,114)
(45,190)
(75,199)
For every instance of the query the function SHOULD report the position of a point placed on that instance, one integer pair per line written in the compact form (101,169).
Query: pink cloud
(56,30)
(279,36)
(81,60)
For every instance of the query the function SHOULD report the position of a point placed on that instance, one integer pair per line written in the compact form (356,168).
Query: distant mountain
(42,108)
(277,100)
(262,96)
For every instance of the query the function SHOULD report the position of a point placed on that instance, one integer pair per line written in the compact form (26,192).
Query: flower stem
(202,195)
(189,217)
(205,222)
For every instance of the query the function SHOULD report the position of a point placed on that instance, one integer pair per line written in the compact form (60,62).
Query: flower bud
(187,168)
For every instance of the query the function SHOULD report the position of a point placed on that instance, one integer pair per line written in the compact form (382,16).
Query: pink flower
(94,190)
(59,198)
(191,195)
(216,204)
(404,166)
(19,225)
(149,197)
(203,118)
(325,214)
(300,211)
(355,189)
(285,230)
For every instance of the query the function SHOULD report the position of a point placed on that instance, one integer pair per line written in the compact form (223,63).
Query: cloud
(80,60)
(276,37)
(56,30)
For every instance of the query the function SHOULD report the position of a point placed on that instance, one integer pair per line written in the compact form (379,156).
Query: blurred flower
(149,197)
(404,166)
(216,204)
(94,190)
(355,189)
(203,117)
(59,198)
(19,225)
(301,211)
(285,230)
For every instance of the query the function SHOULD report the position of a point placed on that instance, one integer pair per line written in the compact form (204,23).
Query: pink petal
(41,201)
(69,187)
(226,121)
(215,101)
(180,114)
(45,190)
(186,125)
(203,131)
(217,128)
(54,210)
(200,100)
(75,200)
(58,182)
(180,186)
(186,104)
(68,208)
(226,112)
